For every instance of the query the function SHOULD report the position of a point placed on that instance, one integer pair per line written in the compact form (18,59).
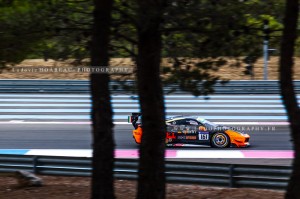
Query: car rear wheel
(220,140)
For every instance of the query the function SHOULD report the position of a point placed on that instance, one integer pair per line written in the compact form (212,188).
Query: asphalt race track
(62,121)
(78,136)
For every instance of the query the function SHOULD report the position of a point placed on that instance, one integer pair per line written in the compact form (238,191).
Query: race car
(194,131)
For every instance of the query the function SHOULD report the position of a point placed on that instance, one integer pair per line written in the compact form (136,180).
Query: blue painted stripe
(124,117)
(51,117)
(14,151)
(45,110)
(254,117)
(47,95)
(222,105)
(222,101)
(46,105)
(44,100)
(129,96)
(227,96)
(202,111)
(135,101)
(214,96)
(211,96)
(167,105)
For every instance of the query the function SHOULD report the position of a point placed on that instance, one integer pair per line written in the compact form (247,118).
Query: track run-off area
(59,124)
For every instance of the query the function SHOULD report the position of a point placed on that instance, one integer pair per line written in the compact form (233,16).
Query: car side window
(176,122)
(180,122)
(184,122)
(194,122)
(188,122)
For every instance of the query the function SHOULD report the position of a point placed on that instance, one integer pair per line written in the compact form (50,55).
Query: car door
(203,135)
(188,131)
(195,132)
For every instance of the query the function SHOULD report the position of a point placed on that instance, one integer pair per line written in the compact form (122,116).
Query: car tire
(220,140)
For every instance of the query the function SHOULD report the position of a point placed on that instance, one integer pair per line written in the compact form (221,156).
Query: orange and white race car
(194,131)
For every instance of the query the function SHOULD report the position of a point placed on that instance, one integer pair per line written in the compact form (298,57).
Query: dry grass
(232,73)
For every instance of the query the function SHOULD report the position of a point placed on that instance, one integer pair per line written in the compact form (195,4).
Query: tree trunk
(151,181)
(103,143)
(287,91)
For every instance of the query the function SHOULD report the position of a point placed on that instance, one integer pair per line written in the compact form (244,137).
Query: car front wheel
(220,140)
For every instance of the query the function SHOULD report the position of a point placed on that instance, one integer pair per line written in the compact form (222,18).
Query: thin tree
(151,182)
(103,143)
(287,90)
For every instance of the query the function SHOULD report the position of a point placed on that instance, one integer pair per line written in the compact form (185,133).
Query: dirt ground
(79,187)
(227,72)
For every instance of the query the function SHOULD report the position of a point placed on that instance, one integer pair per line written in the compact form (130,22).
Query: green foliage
(52,29)
(19,36)
(214,31)
(197,35)
(190,29)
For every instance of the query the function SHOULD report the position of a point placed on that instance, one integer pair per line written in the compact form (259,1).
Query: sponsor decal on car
(181,137)
(170,136)
(188,137)
(191,137)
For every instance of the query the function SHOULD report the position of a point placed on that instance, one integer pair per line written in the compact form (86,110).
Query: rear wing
(133,118)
